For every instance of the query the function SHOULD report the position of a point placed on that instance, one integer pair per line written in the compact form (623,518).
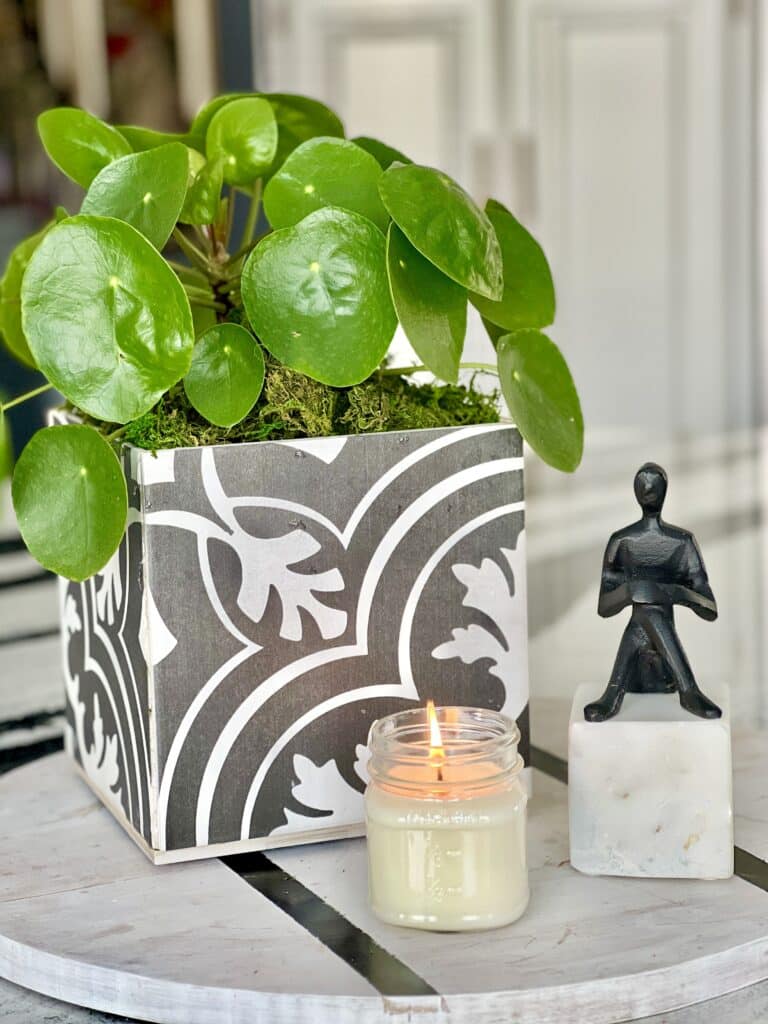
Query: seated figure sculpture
(653,566)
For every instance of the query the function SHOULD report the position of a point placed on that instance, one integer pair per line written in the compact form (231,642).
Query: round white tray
(85,918)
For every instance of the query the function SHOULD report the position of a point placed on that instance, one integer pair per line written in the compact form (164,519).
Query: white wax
(444,863)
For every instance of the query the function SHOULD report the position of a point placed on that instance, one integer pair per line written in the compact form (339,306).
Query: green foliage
(80,144)
(226,375)
(431,308)
(384,154)
(440,220)
(325,172)
(204,183)
(300,118)
(10,298)
(293,405)
(145,288)
(542,397)
(529,294)
(106,318)
(317,297)
(243,135)
(6,450)
(146,190)
(70,499)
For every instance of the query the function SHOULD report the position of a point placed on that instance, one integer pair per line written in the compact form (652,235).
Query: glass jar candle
(446,820)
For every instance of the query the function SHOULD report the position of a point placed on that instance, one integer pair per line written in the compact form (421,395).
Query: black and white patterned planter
(269,602)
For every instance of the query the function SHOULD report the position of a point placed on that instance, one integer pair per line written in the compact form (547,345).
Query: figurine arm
(696,593)
(614,590)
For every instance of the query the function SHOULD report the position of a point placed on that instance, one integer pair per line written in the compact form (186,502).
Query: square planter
(268,603)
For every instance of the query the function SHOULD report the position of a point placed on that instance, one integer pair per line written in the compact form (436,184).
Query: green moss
(292,406)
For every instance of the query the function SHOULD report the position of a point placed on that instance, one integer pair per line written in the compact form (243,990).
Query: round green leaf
(317,296)
(384,154)
(431,308)
(146,190)
(298,119)
(199,127)
(203,189)
(325,172)
(106,318)
(70,499)
(10,297)
(142,139)
(542,397)
(443,222)
(243,133)
(226,375)
(529,294)
(79,143)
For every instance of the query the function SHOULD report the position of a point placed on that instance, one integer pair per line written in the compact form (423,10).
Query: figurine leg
(660,628)
(610,703)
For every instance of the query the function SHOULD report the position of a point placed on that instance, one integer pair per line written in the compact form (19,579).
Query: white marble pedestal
(650,791)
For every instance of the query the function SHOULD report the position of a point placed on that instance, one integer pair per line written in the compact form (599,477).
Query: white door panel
(619,132)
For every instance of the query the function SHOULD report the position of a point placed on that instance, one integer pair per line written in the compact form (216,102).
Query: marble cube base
(650,791)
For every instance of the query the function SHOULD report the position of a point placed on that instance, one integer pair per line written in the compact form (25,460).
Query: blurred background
(626,135)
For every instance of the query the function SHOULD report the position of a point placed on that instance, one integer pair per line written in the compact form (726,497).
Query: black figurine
(653,566)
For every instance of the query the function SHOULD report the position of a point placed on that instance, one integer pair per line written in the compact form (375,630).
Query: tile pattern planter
(269,602)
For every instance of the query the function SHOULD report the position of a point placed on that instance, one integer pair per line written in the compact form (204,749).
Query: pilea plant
(144,288)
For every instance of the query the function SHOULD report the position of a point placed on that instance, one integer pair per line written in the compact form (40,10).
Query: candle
(445,818)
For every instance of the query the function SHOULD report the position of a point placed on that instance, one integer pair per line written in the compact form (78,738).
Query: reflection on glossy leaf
(443,222)
(70,499)
(79,143)
(431,308)
(325,172)
(317,296)
(105,317)
(542,398)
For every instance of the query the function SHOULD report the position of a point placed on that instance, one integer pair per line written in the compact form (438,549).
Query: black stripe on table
(31,721)
(388,975)
(20,638)
(16,757)
(745,865)
(12,545)
(30,579)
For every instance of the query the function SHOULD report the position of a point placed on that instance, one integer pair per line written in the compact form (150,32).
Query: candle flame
(436,751)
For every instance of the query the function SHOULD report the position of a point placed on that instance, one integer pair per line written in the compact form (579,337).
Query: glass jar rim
(469,735)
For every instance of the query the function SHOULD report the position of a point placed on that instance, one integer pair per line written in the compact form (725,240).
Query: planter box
(269,602)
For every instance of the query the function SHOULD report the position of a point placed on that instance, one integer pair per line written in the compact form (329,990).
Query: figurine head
(651,487)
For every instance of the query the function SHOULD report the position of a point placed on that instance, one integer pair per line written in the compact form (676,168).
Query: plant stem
(191,251)
(243,251)
(253,215)
(480,367)
(4,406)
(181,268)
(406,371)
(208,303)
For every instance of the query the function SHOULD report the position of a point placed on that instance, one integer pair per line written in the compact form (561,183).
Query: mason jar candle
(446,820)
